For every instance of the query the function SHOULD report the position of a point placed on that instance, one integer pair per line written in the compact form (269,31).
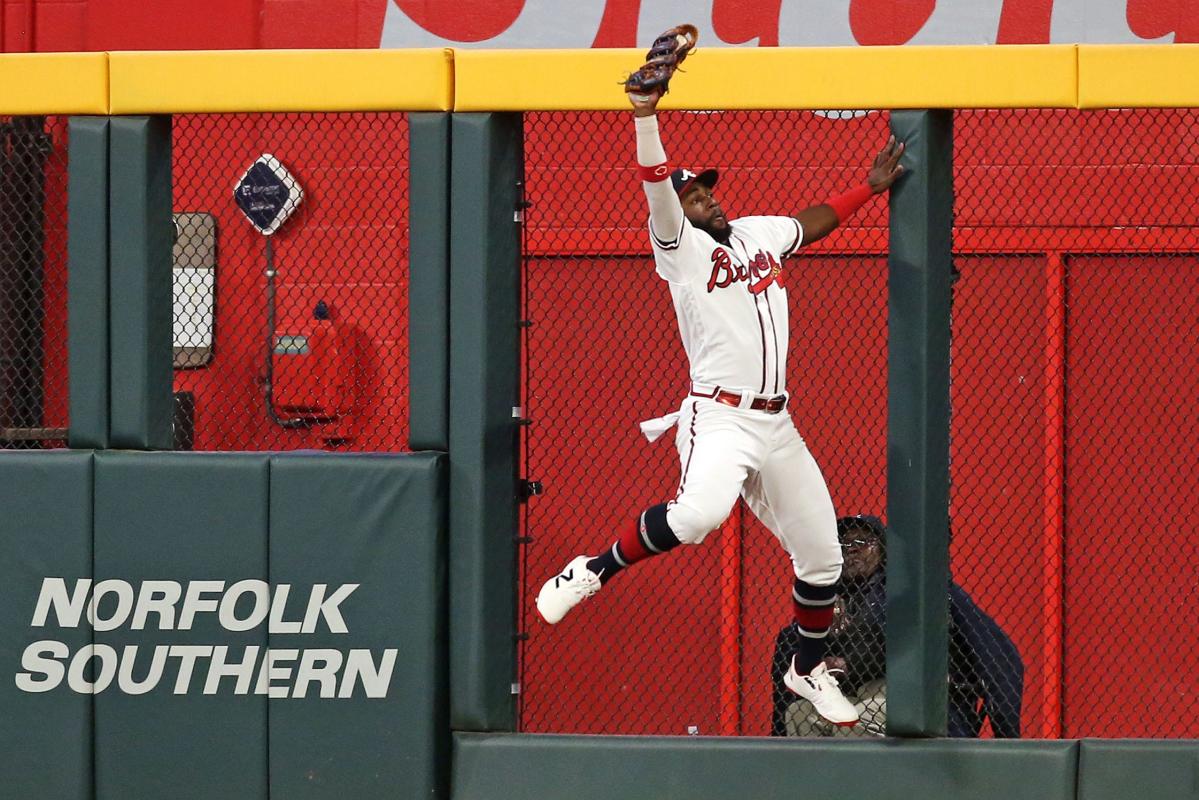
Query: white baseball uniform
(732,313)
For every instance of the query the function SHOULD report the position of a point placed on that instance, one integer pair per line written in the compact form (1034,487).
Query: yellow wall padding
(281,80)
(1135,76)
(54,83)
(996,76)
(781,78)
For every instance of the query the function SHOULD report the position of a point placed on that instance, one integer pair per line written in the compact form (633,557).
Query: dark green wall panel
(141,235)
(484,382)
(181,517)
(515,767)
(1128,769)
(918,426)
(377,521)
(45,532)
(429,281)
(87,281)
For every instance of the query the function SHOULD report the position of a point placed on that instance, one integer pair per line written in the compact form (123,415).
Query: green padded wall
(516,767)
(485,266)
(429,281)
(1126,769)
(182,517)
(918,426)
(340,560)
(87,281)
(45,532)
(377,521)
(141,235)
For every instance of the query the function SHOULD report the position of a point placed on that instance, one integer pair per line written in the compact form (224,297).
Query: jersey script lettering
(761,270)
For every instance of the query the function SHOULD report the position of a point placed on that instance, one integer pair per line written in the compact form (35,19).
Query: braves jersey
(730,300)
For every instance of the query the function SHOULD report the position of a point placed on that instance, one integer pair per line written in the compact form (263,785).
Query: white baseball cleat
(566,590)
(821,690)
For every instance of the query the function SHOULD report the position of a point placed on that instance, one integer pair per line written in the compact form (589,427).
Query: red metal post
(730,623)
(1053,498)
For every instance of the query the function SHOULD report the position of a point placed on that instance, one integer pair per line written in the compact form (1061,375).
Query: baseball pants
(725,452)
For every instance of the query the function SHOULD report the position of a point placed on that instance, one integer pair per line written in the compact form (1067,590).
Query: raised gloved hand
(664,57)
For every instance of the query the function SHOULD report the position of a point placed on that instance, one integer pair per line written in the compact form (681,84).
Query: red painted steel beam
(1053,496)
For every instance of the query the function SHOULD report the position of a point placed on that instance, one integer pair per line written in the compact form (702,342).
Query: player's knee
(821,567)
(692,524)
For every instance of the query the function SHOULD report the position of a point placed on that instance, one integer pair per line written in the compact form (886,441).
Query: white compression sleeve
(665,213)
(649,144)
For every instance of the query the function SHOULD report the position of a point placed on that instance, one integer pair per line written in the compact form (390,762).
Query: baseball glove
(665,56)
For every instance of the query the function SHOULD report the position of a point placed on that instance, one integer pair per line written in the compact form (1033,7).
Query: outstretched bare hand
(886,169)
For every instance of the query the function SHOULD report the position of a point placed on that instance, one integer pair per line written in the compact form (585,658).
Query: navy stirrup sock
(813,617)
(649,536)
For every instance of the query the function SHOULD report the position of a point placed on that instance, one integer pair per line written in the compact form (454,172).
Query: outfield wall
(261,625)
(420,535)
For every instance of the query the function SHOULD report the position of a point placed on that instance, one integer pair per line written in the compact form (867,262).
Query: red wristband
(654,174)
(844,205)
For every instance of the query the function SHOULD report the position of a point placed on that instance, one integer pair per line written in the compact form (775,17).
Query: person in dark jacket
(986,674)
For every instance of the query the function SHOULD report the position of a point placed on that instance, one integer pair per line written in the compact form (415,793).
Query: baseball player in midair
(735,437)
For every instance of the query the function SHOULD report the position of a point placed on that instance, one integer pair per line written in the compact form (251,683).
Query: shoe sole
(848,724)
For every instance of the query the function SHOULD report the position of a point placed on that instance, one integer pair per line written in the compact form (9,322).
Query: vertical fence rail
(1054,482)
(918,426)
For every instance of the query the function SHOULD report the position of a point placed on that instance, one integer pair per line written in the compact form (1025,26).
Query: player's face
(704,212)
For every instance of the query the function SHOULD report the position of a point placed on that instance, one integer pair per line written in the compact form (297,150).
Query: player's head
(864,544)
(699,204)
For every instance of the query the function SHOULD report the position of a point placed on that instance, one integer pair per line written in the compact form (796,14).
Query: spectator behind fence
(986,675)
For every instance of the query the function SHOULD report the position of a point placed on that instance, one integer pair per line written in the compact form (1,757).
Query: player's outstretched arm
(819,221)
(665,212)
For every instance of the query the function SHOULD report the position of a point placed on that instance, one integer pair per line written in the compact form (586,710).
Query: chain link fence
(682,643)
(1072,438)
(33,282)
(295,339)
(1074,386)
(1073,444)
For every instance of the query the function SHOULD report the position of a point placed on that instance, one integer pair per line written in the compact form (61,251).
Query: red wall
(54,288)
(347,245)
(1131,553)
(1073,385)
